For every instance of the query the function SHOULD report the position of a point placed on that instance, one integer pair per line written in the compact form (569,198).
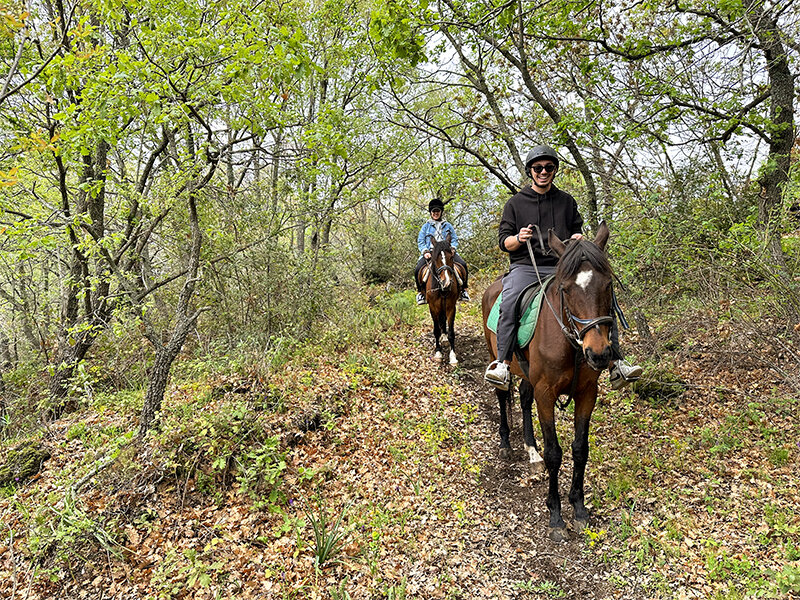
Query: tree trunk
(65,364)
(6,362)
(781,83)
(184,321)
(156,387)
(84,305)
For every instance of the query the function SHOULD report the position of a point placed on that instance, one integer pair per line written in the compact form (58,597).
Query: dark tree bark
(85,307)
(781,84)
(185,318)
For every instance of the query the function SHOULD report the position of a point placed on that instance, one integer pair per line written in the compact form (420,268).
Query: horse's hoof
(558,534)
(438,356)
(537,468)
(580,524)
(505,453)
(453,363)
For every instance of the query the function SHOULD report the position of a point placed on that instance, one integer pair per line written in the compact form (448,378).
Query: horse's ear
(556,245)
(601,239)
(449,237)
(431,240)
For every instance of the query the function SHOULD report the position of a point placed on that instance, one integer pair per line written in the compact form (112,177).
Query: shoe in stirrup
(622,374)
(464,297)
(497,375)
(421,298)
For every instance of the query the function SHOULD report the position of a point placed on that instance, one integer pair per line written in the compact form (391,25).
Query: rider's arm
(422,238)
(512,236)
(507,230)
(453,236)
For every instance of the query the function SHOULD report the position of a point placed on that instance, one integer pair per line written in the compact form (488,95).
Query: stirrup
(622,374)
(499,380)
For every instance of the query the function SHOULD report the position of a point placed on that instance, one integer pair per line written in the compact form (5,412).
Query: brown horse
(442,278)
(569,349)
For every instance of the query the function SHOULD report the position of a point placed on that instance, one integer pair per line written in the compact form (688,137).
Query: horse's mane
(578,251)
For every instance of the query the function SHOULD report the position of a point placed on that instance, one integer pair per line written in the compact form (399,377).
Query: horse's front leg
(437,334)
(580,455)
(505,399)
(557,530)
(526,403)
(451,332)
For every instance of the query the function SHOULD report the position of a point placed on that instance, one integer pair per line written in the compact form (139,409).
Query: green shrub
(220,446)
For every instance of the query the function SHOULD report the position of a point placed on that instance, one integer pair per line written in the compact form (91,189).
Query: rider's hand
(576,236)
(427,255)
(525,234)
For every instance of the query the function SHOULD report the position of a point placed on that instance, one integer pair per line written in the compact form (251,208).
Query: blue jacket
(439,230)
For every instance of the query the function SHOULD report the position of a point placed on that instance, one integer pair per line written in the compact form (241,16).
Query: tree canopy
(163,161)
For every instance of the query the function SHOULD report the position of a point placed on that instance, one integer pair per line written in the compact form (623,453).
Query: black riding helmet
(435,203)
(538,153)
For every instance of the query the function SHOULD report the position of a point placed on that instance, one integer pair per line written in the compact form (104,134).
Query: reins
(573,340)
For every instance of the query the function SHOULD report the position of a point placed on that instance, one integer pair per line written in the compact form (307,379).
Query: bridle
(573,334)
(575,329)
(445,268)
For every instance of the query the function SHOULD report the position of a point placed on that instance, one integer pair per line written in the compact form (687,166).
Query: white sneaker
(622,374)
(421,298)
(497,375)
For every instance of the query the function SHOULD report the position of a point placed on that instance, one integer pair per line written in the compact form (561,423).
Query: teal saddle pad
(529,305)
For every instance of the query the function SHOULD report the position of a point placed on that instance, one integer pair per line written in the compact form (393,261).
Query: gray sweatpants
(515,281)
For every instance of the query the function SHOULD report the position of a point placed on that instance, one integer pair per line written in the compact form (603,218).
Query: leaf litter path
(405,449)
(410,460)
(530,565)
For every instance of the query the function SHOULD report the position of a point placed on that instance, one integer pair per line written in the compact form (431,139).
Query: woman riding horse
(436,229)
(442,278)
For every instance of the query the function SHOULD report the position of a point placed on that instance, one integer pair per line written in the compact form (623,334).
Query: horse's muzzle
(596,361)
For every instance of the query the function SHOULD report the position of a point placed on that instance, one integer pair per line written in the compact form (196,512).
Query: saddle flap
(528,305)
(426,271)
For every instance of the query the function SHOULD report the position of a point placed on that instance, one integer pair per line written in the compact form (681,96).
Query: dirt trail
(511,493)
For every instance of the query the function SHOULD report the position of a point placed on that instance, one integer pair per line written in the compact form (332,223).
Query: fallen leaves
(405,449)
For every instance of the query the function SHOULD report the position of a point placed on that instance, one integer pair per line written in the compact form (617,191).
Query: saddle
(425,272)
(528,305)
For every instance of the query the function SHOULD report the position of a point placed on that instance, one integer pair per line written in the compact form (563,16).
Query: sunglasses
(549,168)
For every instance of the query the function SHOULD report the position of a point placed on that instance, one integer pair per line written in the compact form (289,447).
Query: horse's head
(584,278)
(442,262)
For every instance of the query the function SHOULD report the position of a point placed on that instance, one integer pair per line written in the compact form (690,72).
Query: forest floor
(375,474)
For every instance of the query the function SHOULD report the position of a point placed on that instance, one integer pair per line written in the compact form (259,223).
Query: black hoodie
(555,210)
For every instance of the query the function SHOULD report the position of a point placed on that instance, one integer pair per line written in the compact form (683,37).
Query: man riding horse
(540,204)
